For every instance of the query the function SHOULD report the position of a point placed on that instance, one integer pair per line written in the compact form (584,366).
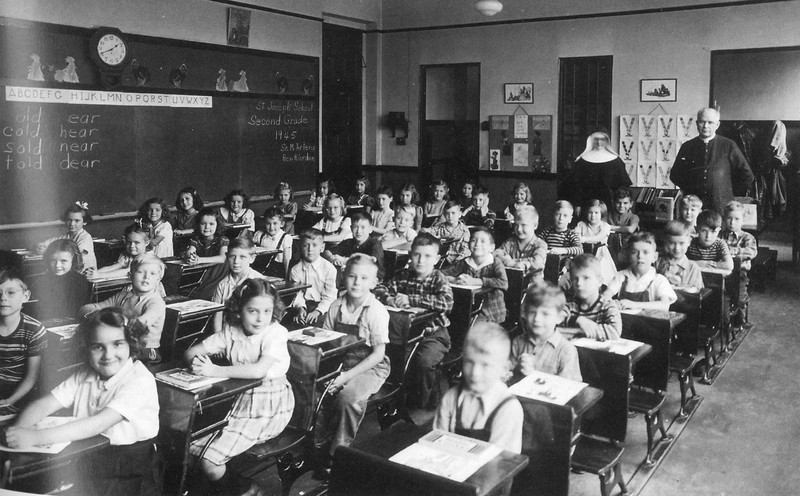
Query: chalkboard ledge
(547,176)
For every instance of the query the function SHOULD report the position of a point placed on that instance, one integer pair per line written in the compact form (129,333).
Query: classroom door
(341,104)
(449,123)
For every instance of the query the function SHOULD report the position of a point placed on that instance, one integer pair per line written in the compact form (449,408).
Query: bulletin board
(649,143)
(520,143)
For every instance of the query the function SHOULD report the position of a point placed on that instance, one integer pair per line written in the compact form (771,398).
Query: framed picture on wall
(238,27)
(658,90)
(518,93)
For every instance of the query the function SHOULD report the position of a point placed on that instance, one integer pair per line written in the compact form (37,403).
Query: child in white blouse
(335,226)
(153,216)
(273,237)
(75,217)
(236,211)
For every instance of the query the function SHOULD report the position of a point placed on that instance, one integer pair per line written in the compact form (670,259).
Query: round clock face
(112,49)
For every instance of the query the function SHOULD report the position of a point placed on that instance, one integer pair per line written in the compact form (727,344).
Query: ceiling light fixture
(488,7)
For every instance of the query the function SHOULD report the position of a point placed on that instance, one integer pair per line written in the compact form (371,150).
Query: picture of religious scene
(238,27)
(658,90)
(518,93)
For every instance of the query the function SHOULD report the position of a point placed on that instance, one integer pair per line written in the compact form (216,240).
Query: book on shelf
(447,454)
(185,379)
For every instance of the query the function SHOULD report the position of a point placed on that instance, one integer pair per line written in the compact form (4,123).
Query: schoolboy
(482,407)
(142,298)
(310,305)
(525,250)
(707,250)
(483,269)
(743,245)
(22,341)
(639,285)
(621,218)
(597,318)
(402,232)
(673,263)
(480,214)
(421,285)
(691,205)
(452,229)
(361,242)
(364,369)
(541,347)
(560,239)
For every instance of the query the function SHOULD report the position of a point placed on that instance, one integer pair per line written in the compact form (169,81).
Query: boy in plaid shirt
(483,269)
(421,285)
(743,245)
(451,228)
(525,250)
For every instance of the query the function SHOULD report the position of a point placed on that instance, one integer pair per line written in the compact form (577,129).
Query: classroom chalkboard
(116,148)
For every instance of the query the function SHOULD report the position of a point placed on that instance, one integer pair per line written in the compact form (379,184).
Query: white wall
(671,45)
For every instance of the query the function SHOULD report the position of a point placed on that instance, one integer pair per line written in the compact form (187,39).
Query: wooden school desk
(364,469)
(182,277)
(27,262)
(395,258)
(189,415)
(62,356)
(467,304)
(550,429)
(516,287)
(263,257)
(691,303)
(653,327)
(104,287)
(40,472)
(107,251)
(232,231)
(186,321)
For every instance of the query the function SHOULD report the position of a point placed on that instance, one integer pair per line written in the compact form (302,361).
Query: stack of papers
(548,388)
(447,455)
(184,379)
(314,335)
(194,306)
(616,346)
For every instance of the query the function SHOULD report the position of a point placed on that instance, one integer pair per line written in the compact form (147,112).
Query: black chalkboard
(116,156)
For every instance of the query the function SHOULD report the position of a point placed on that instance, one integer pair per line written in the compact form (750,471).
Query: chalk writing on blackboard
(290,120)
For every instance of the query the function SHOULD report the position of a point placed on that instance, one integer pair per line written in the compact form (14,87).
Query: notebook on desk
(414,310)
(65,331)
(51,449)
(192,306)
(314,335)
(618,346)
(184,379)
(447,455)
(548,388)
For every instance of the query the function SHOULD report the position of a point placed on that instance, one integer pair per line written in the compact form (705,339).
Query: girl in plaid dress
(255,345)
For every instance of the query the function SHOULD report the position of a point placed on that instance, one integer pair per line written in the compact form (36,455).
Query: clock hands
(112,48)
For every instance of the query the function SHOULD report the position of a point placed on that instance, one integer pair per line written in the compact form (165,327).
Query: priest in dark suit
(710,166)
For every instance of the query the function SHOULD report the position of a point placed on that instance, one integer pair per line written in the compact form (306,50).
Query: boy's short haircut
(360,259)
(484,335)
(361,216)
(640,237)
(480,190)
(709,218)
(676,228)
(312,234)
(452,204)
(734,206)
(145,259)
(564,204)
(622,193)
(385,190)
(527,211)
(271,213)
(405,209)
(426,239)
(586,261)
(12,275)
(545,294)
(692,201)
(243,244)
(65,246)
(482,229)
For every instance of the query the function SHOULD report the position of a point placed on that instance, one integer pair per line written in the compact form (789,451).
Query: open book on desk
(314,335)
(185,379)
(548,388)
(192,306)
(414,310)
(447,455)
(618,346)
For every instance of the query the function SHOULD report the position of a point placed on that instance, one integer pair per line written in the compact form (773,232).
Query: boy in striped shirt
(560,239)
(597,318)
(707,250)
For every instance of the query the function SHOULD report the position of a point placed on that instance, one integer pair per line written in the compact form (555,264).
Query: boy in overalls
(482,407)
(365,368)
(640,286)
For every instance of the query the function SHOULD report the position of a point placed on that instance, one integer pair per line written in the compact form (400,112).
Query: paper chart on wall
(628,126)
(646,175)
(628,150)
(647,127)
(647,151)
(663,170)
(666,150)
(630,168)
(686,127)
(520,155)
(521,126)
(667,127)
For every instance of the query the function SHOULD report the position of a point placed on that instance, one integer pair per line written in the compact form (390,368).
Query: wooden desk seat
(714,321)
(390,400)
(601,457)
(683,365)
(764,266)
(292,450)
(684,356)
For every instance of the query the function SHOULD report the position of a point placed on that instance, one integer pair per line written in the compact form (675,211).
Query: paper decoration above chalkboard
(520,142)
(649,143)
